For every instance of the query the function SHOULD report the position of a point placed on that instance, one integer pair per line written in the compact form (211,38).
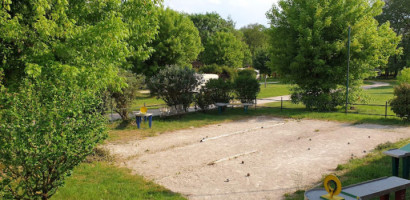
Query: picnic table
(396,154)
(367,190)
(221,105)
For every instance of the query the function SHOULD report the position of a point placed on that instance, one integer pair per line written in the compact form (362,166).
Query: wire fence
(362,109)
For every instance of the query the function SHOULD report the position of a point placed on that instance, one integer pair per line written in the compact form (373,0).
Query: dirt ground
(258,158)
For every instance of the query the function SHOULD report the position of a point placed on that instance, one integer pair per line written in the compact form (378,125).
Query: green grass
(374,165)
(149,100)
(104,181)
(273,90)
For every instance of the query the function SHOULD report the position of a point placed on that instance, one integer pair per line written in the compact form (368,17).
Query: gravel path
(257,158)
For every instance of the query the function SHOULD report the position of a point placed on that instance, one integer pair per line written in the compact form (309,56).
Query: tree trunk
(265,80)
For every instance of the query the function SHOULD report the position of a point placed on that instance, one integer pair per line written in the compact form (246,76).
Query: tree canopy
(89,39)
(255,36)
(223,48)
(397,12)
(210,23)
(309,43)
(177,43)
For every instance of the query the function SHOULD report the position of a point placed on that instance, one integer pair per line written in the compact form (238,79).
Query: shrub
(203,99)
(322,101)
(249,72)
(46,129)
(219,90)
(401,103)
(246,87)
(175,85)
(211,69)
(228,73)
(404,76)
(124,97)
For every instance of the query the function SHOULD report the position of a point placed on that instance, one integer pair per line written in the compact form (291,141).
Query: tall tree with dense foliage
(256,37)
(177,43)
(210,23)
(309,45)
(224,49)
(397,12)
(46,129)
(57,56)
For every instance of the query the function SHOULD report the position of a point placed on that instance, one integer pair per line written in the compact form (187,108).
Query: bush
(318,99)
(246,87)
(175,85)
(46,129)
(219,90)
(228,73)
(203,99)
(404,76)
(224,72)
(211,69)
(124,97)
(401,103)
(249,72)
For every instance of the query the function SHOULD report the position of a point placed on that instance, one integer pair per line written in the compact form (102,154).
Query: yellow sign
(143,110)
(333,186)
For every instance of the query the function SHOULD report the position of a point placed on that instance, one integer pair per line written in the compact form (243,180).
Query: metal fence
(353,109)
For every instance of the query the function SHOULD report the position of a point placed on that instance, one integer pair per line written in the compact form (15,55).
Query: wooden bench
(367,190)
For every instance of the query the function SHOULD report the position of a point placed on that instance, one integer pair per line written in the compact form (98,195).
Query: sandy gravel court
(257,158)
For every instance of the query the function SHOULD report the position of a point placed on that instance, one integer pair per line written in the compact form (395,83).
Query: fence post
(385,111)
(281,103)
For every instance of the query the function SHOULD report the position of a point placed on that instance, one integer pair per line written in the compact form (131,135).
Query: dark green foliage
(261,61)
(211,69)
(203,99)
(124,97)
(246,87)
(248,72)
(210,23)
(175,85)
(322,101)
(255,36)
(177,43)
(309,44)
(401,103)
(224,72)
(397,13)
(46,129)
(220,90)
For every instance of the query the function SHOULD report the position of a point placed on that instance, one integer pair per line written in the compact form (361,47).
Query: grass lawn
(273,90)
(374,165)
(101,180)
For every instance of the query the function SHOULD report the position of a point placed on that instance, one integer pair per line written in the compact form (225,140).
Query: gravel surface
(257,158)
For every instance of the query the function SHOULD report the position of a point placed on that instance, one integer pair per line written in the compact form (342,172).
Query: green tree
(211,23)
(309,44)
(397,12)
(404,76)
(123,98)
(46,129)
(255,36)
(177,43)
(92,38)
(224,49)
